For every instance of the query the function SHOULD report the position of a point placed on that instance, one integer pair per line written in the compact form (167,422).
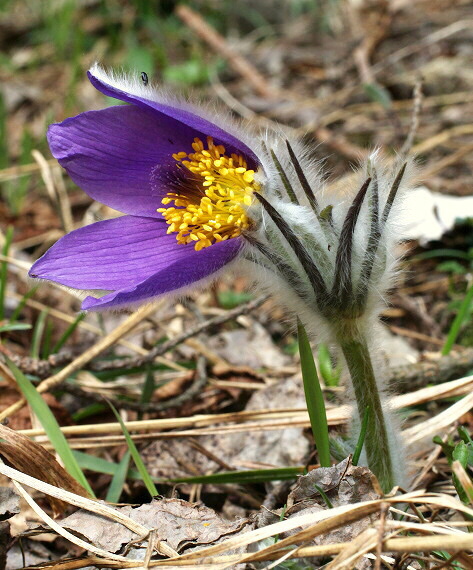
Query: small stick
(340,144)
(218,43)
(99,347)
(417,107)
(56,190)
(384,507)
(44,367)
(14,172)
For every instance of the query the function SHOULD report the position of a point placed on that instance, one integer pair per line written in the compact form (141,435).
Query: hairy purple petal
(112,154)
(194,267)
(113,254)
(179,114)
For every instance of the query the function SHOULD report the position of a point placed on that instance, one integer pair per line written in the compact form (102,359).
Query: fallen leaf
(9,503)
(252,347)
(179,523)
(31,458)
(343,484)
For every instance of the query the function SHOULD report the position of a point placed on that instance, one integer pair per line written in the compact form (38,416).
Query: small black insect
(144,78)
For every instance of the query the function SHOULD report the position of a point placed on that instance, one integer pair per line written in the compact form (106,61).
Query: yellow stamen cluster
(215,210)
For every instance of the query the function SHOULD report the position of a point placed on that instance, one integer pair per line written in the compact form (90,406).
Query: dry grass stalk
(100,435)
(57,191)
(63,532)
(96,507)
(464,479)
(434,536)
(441,421)
(103,344)
(217,42)
(84,325)
(23,170)
(356,549)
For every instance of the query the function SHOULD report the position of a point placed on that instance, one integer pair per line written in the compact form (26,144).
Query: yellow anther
(216,210)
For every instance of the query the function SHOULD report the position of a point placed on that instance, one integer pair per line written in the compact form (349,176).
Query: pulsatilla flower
(199,196)
(200,193)
(183,182)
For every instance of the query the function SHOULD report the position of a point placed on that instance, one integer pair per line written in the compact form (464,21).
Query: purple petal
(111,154)
(113,254)
(179,113)
(183,272)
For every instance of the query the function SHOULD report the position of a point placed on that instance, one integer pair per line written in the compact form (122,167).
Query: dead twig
(78,363)
(219,44)
(341,145)
(407,378)
(418,98)
(56,190)
(43,368)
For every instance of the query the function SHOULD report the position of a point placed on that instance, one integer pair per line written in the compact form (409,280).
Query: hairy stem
(377,444)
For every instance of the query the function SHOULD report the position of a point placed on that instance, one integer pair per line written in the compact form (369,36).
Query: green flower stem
(377,443)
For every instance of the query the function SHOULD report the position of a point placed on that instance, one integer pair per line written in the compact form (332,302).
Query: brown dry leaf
(9,503)
(31,458)
(179,523)
(352,556)
(22,418)
(252,347)
(172,388)
(343,483)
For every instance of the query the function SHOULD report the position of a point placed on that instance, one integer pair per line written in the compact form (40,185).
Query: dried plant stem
(377,444)
(98,348)
(239,63)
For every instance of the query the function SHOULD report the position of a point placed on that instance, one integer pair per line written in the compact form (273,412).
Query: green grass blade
(70,329)
(447,557)
(458,322)
(4,271)
(118,479)
(243,477)
(361,437)
(314,397)
(324,496)
(50,426)
(21,304)
(145,476)
(330,375)
(443,252)
(14,327)
(148,386)
(90,410)
(100,465)
(38,333)
(46,344)
(94,463)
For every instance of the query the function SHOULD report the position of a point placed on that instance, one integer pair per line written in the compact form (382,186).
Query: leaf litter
(400,40)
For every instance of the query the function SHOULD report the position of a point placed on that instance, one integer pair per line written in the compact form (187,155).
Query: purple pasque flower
(197,195)
(183,182)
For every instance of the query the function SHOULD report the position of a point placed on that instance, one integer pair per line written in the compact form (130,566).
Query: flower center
(211,198)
